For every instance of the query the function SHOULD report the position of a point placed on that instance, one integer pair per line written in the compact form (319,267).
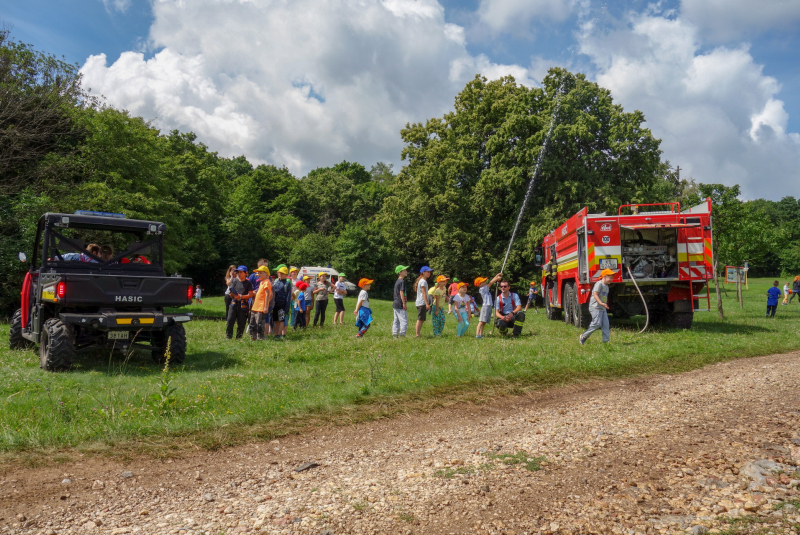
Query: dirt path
(663,454)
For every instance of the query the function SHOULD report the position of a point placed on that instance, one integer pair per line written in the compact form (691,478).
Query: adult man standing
(241,293)
(598,308)
(508,310)
(261,301)
(400,323)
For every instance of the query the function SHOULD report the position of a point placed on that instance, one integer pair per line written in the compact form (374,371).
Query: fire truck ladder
(706,296)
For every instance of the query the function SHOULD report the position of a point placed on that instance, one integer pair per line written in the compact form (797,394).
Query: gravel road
(710,451)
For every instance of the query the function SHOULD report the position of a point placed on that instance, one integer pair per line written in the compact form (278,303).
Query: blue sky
(302,84)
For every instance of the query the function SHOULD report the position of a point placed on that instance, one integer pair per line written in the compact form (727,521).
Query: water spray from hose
(536,170)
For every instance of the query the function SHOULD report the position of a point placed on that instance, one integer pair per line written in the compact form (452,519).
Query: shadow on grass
(140,363)
(716,327)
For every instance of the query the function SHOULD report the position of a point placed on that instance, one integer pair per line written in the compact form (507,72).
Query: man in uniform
(508,310)
(241,293)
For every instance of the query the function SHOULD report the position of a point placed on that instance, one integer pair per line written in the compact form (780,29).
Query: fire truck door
(583,269)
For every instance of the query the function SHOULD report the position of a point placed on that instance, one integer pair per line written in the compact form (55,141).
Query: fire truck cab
(663,250)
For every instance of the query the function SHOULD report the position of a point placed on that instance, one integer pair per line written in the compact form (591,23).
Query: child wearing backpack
(363,312)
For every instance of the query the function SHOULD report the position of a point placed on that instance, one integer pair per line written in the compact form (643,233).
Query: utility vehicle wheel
(581,317)
(56,346)
(176,336)
(15,338)
(553,313)
(566,303)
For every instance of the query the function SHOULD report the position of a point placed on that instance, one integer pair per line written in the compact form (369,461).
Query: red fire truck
(664,251)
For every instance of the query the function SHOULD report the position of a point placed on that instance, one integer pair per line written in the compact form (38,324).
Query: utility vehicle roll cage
(53,244)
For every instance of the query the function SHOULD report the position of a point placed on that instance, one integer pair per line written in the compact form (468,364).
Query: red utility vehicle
(663,250)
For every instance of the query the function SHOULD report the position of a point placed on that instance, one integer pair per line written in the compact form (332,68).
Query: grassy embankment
(232,391)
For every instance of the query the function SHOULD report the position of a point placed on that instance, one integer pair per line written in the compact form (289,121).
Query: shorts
(339,305)
(486,314)
(278,315)
(422,313)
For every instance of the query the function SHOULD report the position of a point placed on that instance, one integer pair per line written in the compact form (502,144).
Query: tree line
(453,204)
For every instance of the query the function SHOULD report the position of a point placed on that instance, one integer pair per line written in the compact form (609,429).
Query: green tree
(455,203)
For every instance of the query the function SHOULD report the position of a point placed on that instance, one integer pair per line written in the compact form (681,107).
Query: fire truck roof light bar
(670,204)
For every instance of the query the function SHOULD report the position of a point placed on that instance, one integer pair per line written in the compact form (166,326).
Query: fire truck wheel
(581,315)
(682,320)
(553,313)
(567,302)
(56,346)
(15,338)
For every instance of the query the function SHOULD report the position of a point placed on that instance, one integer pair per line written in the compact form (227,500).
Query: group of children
(774,295)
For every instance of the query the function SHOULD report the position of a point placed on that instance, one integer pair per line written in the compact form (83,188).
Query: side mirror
(538,256)
(23,257)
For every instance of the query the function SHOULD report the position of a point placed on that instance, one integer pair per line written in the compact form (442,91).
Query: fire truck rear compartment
(650,253)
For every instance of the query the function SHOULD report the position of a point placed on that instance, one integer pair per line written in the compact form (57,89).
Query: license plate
(118,335)
(49,293)
(608,263)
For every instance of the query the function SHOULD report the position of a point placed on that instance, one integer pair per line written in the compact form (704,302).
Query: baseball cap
(462,284)
(399,268)
(293,268)
(342,275)
(283,269)
(607,272)
(322,274)
(242,268)
(480,280)
(279,266)
(261,269)
(456,279)
(533,283)
(442,278)
(306,277)
(302,286)
(363,282)
(423,269)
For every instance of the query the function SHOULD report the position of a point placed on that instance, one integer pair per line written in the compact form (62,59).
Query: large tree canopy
(455,203)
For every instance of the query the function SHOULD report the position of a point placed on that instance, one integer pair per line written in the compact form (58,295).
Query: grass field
(233,391)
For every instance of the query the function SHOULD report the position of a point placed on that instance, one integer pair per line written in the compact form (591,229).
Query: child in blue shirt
(300,306)
(773,295)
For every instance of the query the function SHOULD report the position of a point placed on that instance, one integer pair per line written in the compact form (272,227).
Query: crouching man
(508,311)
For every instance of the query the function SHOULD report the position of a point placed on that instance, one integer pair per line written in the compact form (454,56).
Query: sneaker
(581,340)
(359,336)
(478,337)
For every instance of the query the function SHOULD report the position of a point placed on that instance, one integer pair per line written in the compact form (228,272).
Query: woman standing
(321,292)
(229,276)
(438,295)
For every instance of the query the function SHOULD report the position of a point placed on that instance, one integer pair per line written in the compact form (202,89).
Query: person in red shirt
(452,291)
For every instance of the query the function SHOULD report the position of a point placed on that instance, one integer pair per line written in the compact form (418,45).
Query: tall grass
(228,391)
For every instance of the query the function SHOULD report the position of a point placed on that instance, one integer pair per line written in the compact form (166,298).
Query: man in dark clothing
(508,310)
(241,293)
(795,289)
(282,291)
(400,323)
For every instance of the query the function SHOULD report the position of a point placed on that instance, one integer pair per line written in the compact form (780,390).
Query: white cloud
(117,5)
(517,15)
(716,112)
(301,83)
(723,20)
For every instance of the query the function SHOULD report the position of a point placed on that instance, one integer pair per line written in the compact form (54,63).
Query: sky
(309,83)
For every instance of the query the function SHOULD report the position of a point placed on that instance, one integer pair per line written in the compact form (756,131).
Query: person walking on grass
(422,302)
(532,293)
(300,306)
(241,292)
(321,291)
(339,292)
(508,310)
(487,303)
(198,294)
(795,289)
(461,308)
(598,308)
(773,295)
(261,303)
(438,295)
(786,292)
(282,290)
(399,307)
(363,312)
